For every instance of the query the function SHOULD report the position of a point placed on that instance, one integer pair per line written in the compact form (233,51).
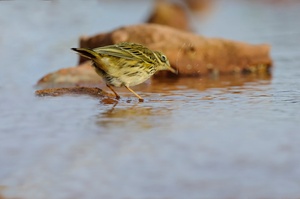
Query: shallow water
(228,137)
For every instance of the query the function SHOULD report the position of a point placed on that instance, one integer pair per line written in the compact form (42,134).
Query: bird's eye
(163,58)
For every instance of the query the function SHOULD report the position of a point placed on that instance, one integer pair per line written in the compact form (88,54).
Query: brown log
(191,54)
(200,5)
(170,14)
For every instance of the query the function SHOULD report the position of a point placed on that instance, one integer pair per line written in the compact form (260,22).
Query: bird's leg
(116,94)
(140,99)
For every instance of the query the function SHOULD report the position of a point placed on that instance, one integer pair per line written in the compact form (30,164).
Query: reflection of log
(94,92)
(191,54)
(237,82)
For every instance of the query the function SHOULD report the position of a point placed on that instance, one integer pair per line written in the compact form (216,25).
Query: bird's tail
(85,52)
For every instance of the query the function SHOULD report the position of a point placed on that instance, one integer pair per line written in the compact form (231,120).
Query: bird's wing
(129,51)
(113,51)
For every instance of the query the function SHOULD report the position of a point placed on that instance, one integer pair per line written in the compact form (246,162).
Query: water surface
(226,137)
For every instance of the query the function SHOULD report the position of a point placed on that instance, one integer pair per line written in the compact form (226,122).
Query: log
(191,54)
(171,14)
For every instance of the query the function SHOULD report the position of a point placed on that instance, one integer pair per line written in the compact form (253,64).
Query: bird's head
(164,63)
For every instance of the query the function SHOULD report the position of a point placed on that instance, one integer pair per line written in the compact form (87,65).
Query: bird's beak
(175,71)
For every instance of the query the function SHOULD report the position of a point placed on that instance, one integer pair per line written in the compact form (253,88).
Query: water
(232,137)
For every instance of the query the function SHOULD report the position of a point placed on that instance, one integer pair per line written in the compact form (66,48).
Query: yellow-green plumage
(125,64)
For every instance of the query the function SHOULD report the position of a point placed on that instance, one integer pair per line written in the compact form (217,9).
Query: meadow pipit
(125,64)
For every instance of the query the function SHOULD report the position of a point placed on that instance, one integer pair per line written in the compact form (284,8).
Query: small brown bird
(125,64)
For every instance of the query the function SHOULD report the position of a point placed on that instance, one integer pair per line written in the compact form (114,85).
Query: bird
(125,64)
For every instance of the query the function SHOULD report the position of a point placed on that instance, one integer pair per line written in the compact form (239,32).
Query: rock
(191,54)
(170,14)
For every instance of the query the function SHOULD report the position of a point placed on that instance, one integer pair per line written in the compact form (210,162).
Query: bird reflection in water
(130,114)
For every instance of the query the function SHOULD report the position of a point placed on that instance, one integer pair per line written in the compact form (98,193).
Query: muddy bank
(54,92)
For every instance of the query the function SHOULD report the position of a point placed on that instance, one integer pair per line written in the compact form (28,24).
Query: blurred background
(225,137)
